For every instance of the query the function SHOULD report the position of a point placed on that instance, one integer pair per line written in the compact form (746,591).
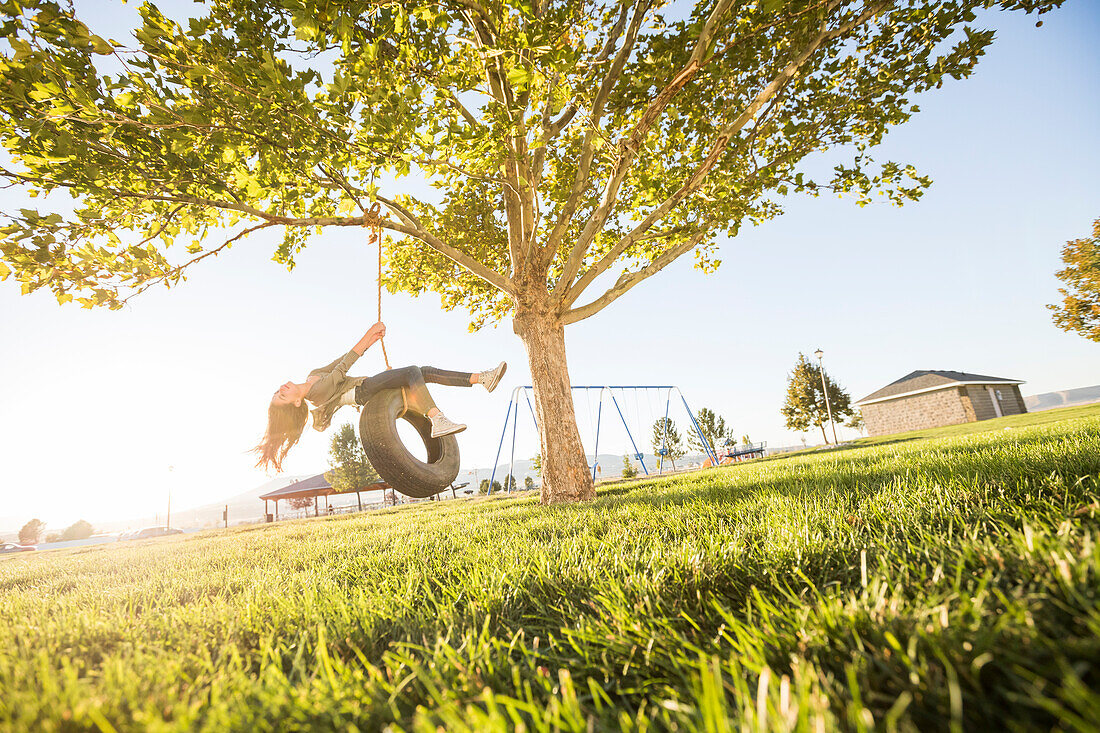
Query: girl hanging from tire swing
(329,387)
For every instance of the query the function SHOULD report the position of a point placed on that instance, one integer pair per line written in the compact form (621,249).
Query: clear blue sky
(99,404)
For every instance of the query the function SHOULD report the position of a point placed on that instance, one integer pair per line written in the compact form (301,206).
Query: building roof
(313,486)
(316,486)
(930,380)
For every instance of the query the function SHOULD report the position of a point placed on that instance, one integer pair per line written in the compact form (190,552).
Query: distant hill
(244,506)
(1063,398)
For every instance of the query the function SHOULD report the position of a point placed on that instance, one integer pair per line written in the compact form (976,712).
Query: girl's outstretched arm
(372,336)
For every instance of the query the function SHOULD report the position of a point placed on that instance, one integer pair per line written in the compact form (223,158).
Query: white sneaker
(442,426)
(489,379)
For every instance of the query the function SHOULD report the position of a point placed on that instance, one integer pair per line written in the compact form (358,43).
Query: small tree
(483,487)
(855,422)
(350,468)
(628,468)
(53,537)
(31,532)
(301,502)
(713,428)
(79,530)
(496,487)
(667,441)
(536,464)
(528,483)
(509,483)
(1080,307)
(805,405)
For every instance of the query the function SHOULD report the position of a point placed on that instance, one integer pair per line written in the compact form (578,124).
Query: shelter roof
(313,486)
(316,486)
(929,380)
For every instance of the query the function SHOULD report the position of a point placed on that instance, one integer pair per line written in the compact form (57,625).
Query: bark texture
(565,476)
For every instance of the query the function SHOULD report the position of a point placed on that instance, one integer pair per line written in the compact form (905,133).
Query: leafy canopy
(666,439)
(714,430)
(1080,307)
(31,532)
(805,405)
(350,467)
(79,530)
(565,138)
(628,468)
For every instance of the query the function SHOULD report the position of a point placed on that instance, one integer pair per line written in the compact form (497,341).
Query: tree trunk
(823,435)
(565,474)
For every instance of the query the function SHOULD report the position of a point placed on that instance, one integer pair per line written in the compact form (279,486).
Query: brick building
(930,399)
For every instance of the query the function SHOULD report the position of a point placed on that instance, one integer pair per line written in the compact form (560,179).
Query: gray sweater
(327,391)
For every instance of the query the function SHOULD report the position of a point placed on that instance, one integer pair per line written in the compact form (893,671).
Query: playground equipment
(512,415)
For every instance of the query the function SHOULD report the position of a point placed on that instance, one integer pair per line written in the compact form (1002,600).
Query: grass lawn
(948,582)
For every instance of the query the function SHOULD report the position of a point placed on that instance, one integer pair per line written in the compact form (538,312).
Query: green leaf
(102,47)
(518,77)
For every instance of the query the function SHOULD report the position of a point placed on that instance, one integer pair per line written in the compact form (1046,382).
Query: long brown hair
(285,424)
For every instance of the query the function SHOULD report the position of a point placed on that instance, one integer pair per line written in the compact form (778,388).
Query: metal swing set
(512,416)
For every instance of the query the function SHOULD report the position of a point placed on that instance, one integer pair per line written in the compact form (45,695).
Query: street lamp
(168,519)
(824,388)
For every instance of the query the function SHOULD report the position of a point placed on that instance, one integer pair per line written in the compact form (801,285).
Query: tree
(79,530)
(1080,307)
(31,532)
(855,422)
(667,441)
(536,464)
(565,141)
(805,405)
(350,468)
(628,468)
(509,483)
(713,428)
(746,440)
(528,483)
(483,487)
(302,502)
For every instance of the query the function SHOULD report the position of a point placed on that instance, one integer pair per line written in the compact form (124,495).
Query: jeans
(414,380)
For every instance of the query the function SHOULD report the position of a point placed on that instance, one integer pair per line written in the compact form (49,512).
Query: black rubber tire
(392,460)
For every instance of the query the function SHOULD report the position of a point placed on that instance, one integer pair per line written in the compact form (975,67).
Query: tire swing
(378,425)
(392,460)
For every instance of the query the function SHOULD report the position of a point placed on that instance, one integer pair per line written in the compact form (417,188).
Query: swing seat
(392,460)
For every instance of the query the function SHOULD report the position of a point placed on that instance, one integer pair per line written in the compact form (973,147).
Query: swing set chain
(373,219)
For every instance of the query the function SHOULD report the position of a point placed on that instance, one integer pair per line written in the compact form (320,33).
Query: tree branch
(588,149)
(555,127)
(629,280)
(571,292)
(494,278)
(629,148)
(460,258)
(175,271)
(401,211)
(466,114)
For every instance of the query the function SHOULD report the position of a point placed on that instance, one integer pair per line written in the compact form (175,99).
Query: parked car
(147,532)
(12,547)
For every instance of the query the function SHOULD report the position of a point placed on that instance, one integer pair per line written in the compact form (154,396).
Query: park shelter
(930,399)
(313,487)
